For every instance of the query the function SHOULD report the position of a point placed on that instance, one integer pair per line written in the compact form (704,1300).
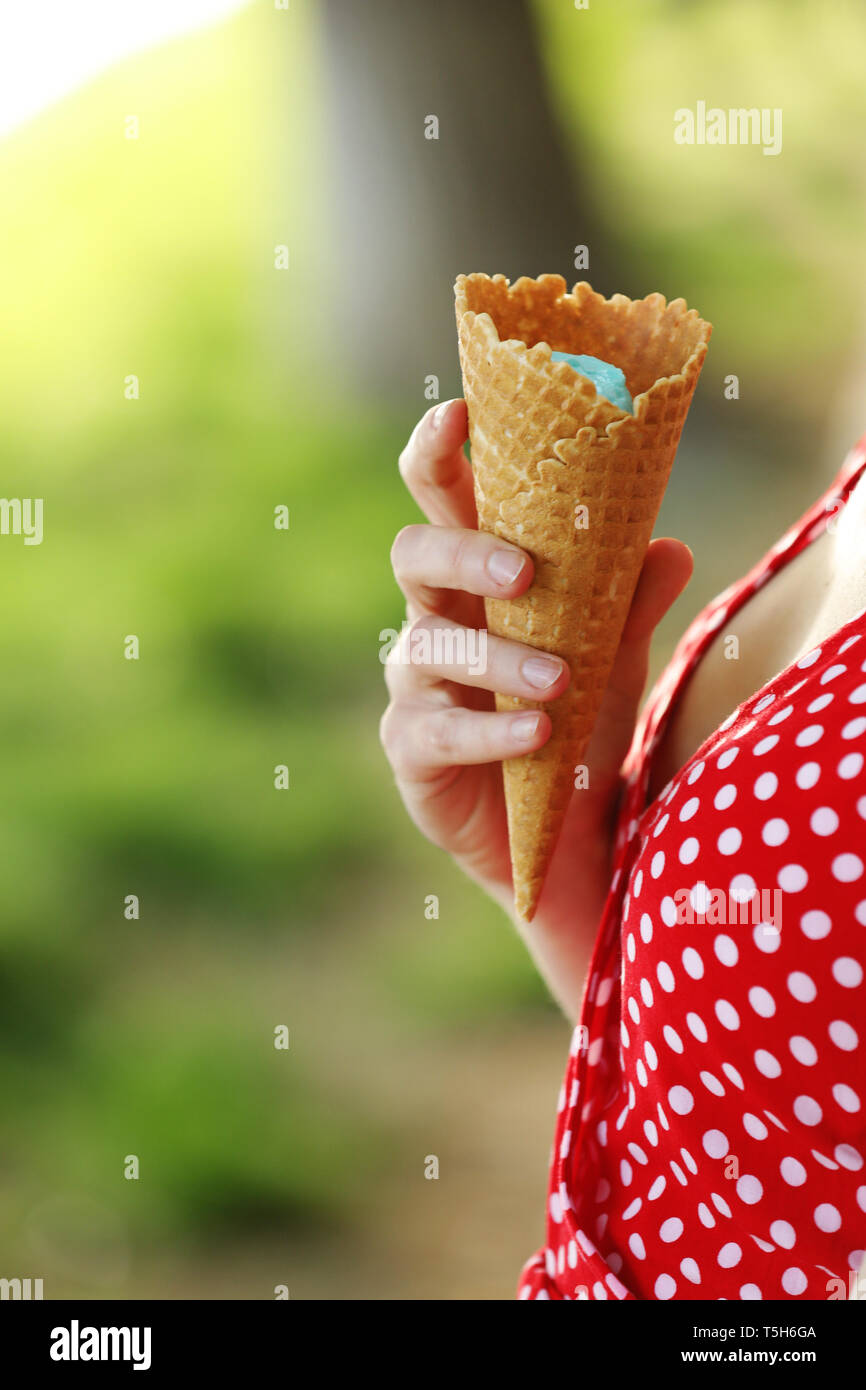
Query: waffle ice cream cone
(577,483)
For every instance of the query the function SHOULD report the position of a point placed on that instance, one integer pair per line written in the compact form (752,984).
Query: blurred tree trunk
(494,192)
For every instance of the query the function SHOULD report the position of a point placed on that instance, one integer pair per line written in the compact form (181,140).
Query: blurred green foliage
(258,647)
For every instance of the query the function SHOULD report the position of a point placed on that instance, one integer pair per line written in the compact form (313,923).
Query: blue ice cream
(609,381)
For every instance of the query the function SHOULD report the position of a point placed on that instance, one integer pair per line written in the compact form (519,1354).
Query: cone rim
(561,373)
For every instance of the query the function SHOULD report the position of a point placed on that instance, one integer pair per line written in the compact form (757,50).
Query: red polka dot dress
(711,1133)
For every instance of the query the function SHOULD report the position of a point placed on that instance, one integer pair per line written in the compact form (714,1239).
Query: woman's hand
(441,732)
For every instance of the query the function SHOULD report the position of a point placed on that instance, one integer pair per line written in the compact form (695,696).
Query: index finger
(435,469)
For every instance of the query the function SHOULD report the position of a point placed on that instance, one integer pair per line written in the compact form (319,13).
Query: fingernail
(504,566)
(541,672)
(439,414)
(525,727)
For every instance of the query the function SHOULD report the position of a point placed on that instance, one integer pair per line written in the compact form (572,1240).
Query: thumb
(666,572)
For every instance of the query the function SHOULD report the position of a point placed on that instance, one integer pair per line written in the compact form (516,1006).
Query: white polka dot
(690,1271)
(672,1038)
(725,759)
(730,1255)
(809,736)
(646,993)
(742,887)
(671,1229)
(733,1075)
(725,797)
(781,715)
(850,766)
(827,1217)
(793,878)
(763,704)
(750,1291)
(660,827)
(669,911)
(727,1014)
(809,659)
(692,963)
(815,924)
(651,1132)
(726,950)
(807,1110)
(689,850)
(846,1098)
(730,840)
(651,1055)
(848,1157)
(680,1100)
(824,821)
(689,809)
(847,972)
(858,696)
(793,1172)
(775,832)
(720,1204)
(815,706)
(801,986)
(804,1051)
(646,928)
(766,1063)
(707,1218)
(665,977)
(657,1189)
(665,1287)
(766,937)
(783,1233)
(766,786)
(854,728)
(765,745)
(847,868)
(696,1026)
(712,1083)
(762,1001)
(794,1281)
(833,672)
(807,776)
(754,1126)
(843,1035)
(695,773)
(749,1189)
(636,1246)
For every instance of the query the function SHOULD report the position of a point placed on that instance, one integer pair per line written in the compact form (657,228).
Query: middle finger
(430,562)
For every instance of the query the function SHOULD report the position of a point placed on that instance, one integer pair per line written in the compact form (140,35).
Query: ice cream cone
(577,483)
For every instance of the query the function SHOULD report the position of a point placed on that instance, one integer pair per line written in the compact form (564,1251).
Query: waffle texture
(577,483)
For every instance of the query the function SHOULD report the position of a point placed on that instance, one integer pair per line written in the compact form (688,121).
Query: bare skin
(442,735)
(445,740)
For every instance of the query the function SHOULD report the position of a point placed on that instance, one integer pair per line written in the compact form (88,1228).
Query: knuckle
(443,731)
(408,455)
(403,542)
(462,550)
(389,731)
